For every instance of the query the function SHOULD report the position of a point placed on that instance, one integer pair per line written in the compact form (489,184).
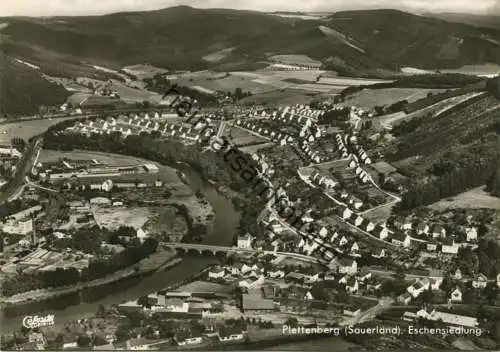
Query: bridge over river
(220,250)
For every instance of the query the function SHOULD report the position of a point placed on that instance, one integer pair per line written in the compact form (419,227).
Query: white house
(450,247)
(348,266)
(456,295)
(471,233)
(245,242)
(481,281)
(217,273)
(438,231)
(417,288)
(401,239)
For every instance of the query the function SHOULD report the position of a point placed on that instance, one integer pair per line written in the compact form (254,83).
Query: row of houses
(278,137)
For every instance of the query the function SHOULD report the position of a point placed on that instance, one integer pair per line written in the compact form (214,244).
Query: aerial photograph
(250,175)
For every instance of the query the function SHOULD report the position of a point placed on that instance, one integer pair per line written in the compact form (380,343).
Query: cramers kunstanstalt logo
(238,162)
(35,321)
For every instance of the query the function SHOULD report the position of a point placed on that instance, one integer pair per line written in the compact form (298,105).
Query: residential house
(139,344)
(418,287)
(216,273)
(226,334)
(438,232)
(358,221)
(379,253)
(348,266)
(364,274)
(354,247)
(401,239)
(471,233)
(422,228)
(458,274)
(351,284)
(245,241)
(481,281)
(367,225)
(405,298)
(449,246)
(381,232)
(431,247)
(456,295)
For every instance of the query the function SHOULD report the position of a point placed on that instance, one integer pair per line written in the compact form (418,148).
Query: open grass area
(143,70)
(29,128)
(281,97)
(474,199)
(241,137)
(204,286)
(113,218)
(368,98)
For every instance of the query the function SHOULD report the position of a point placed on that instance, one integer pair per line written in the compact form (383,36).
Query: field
(295,59)
(143,71)
(113,218)
(211,82)
(78,98)
(473,199)
(368,98)
(486,70)
(132,95)
(204,286)
(285,97)
(28,129)
(346,81)
(241,137)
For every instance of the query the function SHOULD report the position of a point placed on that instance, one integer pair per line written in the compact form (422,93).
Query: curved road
(14,187)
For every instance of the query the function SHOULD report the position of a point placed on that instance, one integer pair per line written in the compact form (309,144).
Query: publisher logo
(34,321)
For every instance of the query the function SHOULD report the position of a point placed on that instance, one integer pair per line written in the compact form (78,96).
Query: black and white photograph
(250,175)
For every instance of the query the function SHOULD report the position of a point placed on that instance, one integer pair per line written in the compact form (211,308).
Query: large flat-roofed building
(151,168)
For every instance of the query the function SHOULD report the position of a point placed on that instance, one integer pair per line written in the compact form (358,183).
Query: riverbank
(68,308)
(156,261)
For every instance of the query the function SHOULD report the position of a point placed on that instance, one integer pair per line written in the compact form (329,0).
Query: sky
(95,7)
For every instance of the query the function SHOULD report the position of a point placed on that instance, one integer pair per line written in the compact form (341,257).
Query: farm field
(112,218)
(473,199)
(347,81)
(100,100)
(285,97)
(78,98)
(318,87)
(132,95)
(144,71)
(215,81)
(29,128)
(295,59)
(369,98)
(486,70)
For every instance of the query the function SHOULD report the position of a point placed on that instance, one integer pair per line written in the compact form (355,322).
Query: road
(369,314)
(14,187)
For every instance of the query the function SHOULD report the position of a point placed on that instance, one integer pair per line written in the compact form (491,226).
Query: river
(221,233)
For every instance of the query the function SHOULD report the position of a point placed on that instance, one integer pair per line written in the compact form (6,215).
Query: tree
(101,311)
(495,331)
(83,341)
(292,322)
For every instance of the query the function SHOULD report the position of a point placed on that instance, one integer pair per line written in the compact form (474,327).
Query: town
(219,217)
